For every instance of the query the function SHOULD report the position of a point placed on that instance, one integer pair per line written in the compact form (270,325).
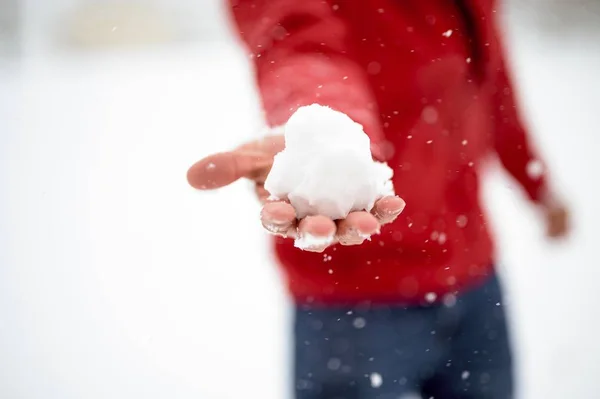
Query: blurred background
(117,280)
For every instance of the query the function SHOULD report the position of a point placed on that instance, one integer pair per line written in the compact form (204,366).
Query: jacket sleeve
(513,146)
(301,57)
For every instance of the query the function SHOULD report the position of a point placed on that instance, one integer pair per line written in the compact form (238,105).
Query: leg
(379,352)
(397,350)
(479,362)
(325,364)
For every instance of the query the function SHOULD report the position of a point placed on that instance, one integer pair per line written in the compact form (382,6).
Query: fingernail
(269,218)
(277,228)
(392,214)
(272,228)
(402,206)
(354,237)
(364,236)
(396,212)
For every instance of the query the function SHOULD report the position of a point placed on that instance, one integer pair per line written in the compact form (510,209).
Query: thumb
(222,169)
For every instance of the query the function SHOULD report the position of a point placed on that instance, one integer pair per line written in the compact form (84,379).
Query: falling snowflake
(334,364)
(359,322)
(442,238)
(430,297)
(449,300)
(376,380)
(429,115)
(535,169)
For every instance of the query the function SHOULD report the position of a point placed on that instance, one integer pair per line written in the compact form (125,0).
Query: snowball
(326,167)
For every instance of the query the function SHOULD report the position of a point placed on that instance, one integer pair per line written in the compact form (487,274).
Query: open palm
(253,161)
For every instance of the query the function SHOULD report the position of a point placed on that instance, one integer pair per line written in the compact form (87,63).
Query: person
(416,309)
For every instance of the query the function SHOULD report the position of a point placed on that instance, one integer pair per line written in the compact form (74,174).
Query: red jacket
(427,80)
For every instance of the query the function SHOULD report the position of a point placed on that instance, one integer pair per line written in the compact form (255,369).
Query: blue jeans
(458,349)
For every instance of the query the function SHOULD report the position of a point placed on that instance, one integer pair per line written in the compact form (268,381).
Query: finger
(557,227)
(222,169)
(268,145)
(387,209)
(556,231)
(315,233)
(279,218)
(557,222)
(262,194)
(356,228)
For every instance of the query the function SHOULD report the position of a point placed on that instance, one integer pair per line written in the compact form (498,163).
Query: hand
(253,161)
(557,217)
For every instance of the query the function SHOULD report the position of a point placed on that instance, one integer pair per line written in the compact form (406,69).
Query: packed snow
(308,240)
(326,167)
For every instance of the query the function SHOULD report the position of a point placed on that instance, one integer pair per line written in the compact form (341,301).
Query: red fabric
(427,81)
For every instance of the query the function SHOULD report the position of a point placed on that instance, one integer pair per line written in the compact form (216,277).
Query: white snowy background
(119,281)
